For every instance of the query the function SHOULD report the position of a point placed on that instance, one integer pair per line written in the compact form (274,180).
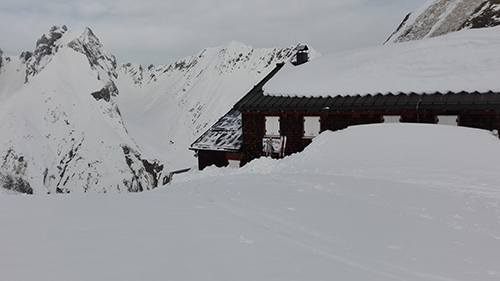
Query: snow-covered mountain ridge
(72,119)
(439,17)
(58,132)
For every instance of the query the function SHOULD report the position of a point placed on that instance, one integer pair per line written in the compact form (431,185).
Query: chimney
(302,55)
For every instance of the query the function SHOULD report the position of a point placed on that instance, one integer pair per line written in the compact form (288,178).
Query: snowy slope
(12,74)
(467,60)
(440,17)
(415,202)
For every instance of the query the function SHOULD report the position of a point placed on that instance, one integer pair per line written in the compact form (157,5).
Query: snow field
(376,202)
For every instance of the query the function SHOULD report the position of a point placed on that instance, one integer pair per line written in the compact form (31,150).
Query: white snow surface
(467,60)
(373,202)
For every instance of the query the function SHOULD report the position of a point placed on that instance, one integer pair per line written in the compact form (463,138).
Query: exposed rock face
(89,45)
(143,171)
(16,179)
(14,183)
(486,15)
(46,47)
(106,92)
(439,17)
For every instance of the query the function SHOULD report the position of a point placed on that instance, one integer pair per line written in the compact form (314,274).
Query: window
(391,119)
(312,126)
(233,163)
(272,126)
(451,120)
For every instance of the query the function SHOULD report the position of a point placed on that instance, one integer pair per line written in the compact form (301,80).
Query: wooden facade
(220,145)
(292,124)
(219,159)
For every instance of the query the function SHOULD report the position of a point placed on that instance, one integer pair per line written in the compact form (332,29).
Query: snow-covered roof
(224,135)
(467,61)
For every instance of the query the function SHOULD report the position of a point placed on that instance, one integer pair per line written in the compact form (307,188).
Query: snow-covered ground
(375,202)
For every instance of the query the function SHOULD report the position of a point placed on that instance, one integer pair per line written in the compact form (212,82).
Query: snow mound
(464,158)
(403,152)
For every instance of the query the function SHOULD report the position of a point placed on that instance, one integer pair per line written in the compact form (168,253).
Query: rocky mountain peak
(89,45)
(48,40)
(61,131)
(85,43)
(440,17)
(46,47)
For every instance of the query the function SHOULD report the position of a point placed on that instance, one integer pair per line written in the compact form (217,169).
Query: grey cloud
(159,32)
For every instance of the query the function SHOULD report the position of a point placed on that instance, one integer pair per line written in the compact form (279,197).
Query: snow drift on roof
(468,60)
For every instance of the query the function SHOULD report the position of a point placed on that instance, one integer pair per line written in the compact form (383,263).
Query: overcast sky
(162,31)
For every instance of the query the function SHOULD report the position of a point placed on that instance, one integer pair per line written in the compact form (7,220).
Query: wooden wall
(253,126)
(208,158)
(292,125)
(218,158)
(488,120)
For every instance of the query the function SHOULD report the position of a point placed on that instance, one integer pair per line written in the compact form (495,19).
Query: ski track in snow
(326,246)
(299,218)
(450,206)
